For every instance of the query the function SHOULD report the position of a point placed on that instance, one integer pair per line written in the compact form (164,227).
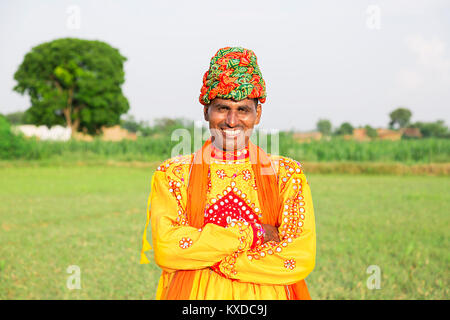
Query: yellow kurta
(227,265)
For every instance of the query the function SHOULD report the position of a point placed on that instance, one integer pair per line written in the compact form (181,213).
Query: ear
(258,113)
(205,113)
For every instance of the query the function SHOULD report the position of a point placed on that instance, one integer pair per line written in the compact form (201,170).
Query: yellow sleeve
(293,258)
(179,246)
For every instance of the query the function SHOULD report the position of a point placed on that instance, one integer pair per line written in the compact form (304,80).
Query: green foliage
(165,126)
(436,129)
(161,127)
(400,117)
(160,147)
(345,128)
(155,142)
(73,82)
(16,118)
(371,132)
(406,151)
(324,126)
(130,123)
(11,146)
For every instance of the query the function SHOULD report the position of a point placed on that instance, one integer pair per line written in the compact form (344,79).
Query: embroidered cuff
(246,234)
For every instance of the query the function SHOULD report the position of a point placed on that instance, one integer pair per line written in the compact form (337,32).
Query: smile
(232,133)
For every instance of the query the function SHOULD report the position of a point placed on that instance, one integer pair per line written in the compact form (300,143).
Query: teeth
(232,133)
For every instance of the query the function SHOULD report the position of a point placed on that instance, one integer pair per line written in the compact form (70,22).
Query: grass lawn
(93,217)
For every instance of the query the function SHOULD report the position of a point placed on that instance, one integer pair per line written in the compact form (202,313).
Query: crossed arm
(286,256)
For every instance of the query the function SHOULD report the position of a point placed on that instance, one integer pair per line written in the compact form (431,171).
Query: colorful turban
(233,74)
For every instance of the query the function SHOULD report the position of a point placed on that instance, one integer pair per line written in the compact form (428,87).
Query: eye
(243,110)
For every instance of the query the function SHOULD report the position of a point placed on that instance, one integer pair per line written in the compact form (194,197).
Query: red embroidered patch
(230,207)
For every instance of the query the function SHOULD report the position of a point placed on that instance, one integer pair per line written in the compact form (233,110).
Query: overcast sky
(340,60)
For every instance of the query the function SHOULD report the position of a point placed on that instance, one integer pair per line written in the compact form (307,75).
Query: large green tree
(401,117)
(73,82)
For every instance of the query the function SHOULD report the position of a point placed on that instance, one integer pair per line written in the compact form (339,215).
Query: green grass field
(93,217)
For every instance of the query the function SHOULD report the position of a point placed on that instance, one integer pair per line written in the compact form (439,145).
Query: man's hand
(270,233)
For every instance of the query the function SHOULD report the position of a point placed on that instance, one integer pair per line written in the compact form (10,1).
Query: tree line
(400,119)
(78,84)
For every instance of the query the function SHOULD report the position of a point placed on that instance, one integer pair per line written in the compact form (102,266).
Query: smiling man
(230,221)
(231,123)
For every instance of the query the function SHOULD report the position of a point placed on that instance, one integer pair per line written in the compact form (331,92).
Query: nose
(232,118)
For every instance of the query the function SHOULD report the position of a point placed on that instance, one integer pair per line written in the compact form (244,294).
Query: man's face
(231,122)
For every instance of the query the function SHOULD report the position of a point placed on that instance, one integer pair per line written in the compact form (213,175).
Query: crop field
(161,146)
(93,216)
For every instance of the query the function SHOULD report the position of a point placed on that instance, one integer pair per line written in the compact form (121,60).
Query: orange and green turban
(233,74)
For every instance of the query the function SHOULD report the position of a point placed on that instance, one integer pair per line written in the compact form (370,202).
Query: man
(230,221)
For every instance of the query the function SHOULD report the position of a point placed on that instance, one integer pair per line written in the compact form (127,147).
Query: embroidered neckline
(229,155)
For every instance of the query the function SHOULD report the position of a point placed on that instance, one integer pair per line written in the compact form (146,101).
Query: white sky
(322,59)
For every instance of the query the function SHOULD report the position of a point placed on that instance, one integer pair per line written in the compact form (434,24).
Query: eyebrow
(225,106)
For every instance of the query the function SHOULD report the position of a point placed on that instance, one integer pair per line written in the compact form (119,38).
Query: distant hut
(360,134)
(387,134)
(412,133)
(116,133)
